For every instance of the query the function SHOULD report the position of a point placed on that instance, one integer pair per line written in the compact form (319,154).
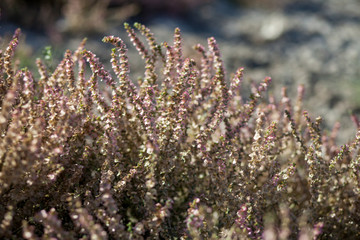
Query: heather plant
(86,153)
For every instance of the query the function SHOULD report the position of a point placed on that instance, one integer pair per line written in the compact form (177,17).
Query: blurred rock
(273,27)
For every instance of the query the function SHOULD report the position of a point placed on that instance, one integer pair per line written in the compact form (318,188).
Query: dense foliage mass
(180,154)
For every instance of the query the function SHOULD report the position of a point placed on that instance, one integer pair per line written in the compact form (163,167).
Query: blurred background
(310,42)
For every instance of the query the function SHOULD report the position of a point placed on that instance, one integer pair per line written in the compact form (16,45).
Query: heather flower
(7,60)
(181,155)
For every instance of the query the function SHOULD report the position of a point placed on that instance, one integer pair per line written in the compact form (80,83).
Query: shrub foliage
(180,154)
